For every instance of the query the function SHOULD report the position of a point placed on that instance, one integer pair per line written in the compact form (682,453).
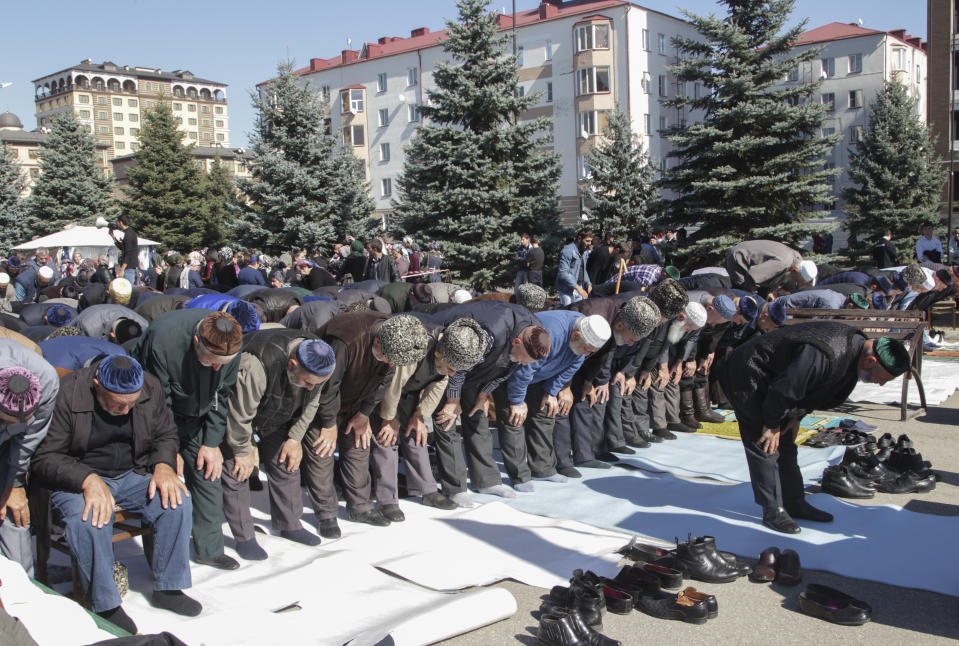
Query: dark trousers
(640,412)
(286,498)
(419,474)
(207,498)
(614,433)
(354,467)
(528,449)
(577,435)
(478,441)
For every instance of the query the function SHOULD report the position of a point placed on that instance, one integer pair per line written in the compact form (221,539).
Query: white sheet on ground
(706,456)
(939,380)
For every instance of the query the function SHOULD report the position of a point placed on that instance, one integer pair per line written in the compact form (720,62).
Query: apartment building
(108,100)
(236,162)
(583,57)
(943,105)
(853,65)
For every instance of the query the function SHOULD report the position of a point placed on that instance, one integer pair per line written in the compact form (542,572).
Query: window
(829,100)
(131,103)
(191,121)
(855,134)
(147,85)
(325,93)
(84,114)
(386,187)
(662,165)
(205,123)
(118,131)
(384,115)
(133,117)
(205,108)
(33,153)
(645,83)
(119,145)
(661,43)
(520,91)
(103,130)
(149,104)
(582,167)
(588,123)
(549,50)
(352,101)
(855,99)
(327,126)
(218,123)
(520,53)
(828,132)
(219,109)
(117,101)
(134,146)
(592,80)
(697,91)
(792,100)
(179,120)
(353,135)
(34,172)
(549,91)
(177,107)
(384,152)
(793,74)
(102,100)
(98,85)
(191,107)
(663,122)
(103,116)
(381,82)
(663,86)
(413,112)
(205,135)
(191,135)
(177,92)
(220,136)
(646,40)
(191,93)
(855,63)
(413,76)
(134,132)
(828,67)
(898,59)
(647,124)
(84,98)
(592,37)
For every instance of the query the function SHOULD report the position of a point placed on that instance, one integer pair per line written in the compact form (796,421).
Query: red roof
(424,38)
(842,30)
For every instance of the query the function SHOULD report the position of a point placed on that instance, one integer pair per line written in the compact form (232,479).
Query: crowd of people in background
(168,389)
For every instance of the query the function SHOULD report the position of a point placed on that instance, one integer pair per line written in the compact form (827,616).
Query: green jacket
(198,396)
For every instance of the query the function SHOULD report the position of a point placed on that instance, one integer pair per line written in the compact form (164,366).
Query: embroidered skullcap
(244,313)
(403,339)
(892,355)
(421,293)
(316,357)
(883,284)
(725,306)
(859,301)
(640,315)
(220,334)
(536,342)
(749,307)
(880,302)
(808,270)
(58,316)
(46,274)
(226,254)
(125,329)
(19,392)
(66,330)
(531,296)
(671,271)
(120,290)
(914,275)
(4,278)
(777,312)
(120,374)
(594,329)
(670,297)
(463,344)
(13,261)
(461,296)
(696,314)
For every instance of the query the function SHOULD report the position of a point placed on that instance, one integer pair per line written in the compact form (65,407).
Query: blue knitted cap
(317,357)
(120,374)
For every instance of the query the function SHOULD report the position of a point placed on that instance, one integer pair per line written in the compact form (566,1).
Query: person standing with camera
(127,265)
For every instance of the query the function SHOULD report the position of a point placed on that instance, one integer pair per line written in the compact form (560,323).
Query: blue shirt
(250,276)
(559,366)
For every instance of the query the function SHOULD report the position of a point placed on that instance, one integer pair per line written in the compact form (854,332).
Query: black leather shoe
(697,559)
(674,606)
(724,559)
(370,517)
(393,513)
(618,602)
(839,481)
(556,630)
(329,528)
(765,570)
(907,459)
(663,434)
(637,442)
(835,606)
(909,482)
(777,519)
(605,457)
(622,450)
(669,578)
(802,509)
(679,427)
(221,562)
(788,571)
(582,630)
(885,440)
(650,436)
(904,442)
(712,606)
(569,472)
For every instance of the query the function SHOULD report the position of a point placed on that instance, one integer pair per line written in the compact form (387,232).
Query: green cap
(892,355)
(859,301)
(672,272)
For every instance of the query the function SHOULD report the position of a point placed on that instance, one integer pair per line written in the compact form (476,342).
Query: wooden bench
(906,325)
(945,306)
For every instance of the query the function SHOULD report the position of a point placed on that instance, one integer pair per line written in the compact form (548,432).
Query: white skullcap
(595,330)
(696,314)
(808,270)
(461,296)
(120,290)
(4,278)
(46,273)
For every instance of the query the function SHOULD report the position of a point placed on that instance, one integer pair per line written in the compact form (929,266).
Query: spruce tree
(896,173)
(71,187)
(166,195)
(12,184)
(754,167)
(221,201)
(303,188)
(621,181)
(355,208)
(473,177)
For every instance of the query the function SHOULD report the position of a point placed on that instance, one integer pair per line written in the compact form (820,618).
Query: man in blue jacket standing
(572,281)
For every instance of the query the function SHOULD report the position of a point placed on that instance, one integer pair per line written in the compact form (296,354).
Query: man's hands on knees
(98,501)
(209,459)
(292,453)
(769,440)
(243,466)
(15,499)
(325,443)
(165,481)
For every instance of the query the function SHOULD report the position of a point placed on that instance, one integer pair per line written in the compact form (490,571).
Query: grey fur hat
(403,339)
(531,296)
(463,344)
(670,297)
(640,315)
(914,275)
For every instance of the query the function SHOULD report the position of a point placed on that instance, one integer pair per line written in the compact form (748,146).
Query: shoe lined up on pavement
(830,604)
(890,467)
(782,567)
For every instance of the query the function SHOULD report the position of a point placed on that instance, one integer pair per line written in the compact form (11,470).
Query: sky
(241,42)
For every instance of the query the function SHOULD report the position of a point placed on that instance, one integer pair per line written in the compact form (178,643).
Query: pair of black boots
(573,616)
(696,558)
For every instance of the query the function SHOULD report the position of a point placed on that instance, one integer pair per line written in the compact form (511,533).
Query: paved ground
(751,613)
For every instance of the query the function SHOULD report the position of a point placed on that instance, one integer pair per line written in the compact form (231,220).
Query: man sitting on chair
(112,441)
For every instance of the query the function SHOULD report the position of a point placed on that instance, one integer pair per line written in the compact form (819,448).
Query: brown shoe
(765,570)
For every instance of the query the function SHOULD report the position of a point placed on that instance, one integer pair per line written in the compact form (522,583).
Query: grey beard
(618,337)
(676,331)
(292,377)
